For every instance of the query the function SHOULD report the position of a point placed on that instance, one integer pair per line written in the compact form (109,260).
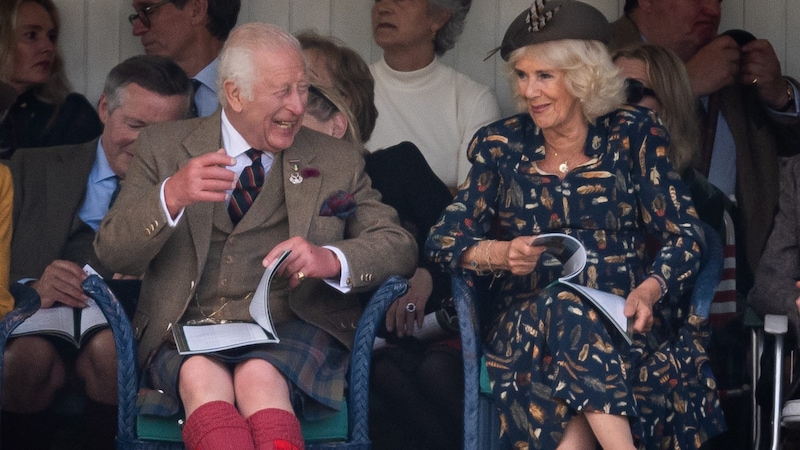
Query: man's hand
(202,179)
(714,66)
(398,318)
(306,261)
(61,282)
(759,62)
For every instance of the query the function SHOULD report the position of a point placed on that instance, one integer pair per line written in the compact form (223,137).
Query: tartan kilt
(314,363)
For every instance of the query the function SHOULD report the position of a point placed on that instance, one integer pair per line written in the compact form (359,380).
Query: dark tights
(418,394)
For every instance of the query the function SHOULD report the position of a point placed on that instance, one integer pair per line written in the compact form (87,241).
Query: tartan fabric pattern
(314,363)
(247,187)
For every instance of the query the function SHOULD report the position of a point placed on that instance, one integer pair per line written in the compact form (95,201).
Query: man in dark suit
(755,116)
(202,257)
(60,196)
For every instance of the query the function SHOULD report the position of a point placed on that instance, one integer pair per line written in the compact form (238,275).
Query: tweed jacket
(760,138)
(774,291)
(135,237)
(49,187)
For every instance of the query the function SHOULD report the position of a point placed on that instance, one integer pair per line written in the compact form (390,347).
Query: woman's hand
(520,257)
(398,317)
(640,302)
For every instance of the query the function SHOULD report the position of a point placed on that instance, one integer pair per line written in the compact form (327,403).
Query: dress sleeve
(467,220)
(665,206)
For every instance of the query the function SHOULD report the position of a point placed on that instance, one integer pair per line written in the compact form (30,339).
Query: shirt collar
(233,142)
(207,76)
(101,170)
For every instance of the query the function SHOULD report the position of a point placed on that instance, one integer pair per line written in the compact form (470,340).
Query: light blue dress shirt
(99,188)
(206,96)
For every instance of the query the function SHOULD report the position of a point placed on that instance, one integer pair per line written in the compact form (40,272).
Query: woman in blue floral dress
(577,163)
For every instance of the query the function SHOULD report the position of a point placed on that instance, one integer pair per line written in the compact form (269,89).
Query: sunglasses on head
(635,91)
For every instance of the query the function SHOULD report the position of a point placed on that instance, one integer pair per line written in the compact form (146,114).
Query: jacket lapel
(206,138)
(301,197)
(66,181)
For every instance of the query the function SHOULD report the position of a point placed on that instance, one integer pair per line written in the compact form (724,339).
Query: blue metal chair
(357,434)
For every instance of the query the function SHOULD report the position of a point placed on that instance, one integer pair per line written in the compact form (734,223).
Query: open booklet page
(63,321)
(207,338)
(572,255)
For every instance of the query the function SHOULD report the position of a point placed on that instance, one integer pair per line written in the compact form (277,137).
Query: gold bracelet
(473,261)
(489,255)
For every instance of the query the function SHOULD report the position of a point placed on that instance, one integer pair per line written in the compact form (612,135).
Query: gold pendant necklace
(564,166)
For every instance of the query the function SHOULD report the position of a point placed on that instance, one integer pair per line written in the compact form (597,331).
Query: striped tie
(247,188)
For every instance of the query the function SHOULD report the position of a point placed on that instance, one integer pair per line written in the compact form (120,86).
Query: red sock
(217,425)
(276,429)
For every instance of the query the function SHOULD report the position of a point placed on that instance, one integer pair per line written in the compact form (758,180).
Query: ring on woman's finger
(410,307)
(300,275)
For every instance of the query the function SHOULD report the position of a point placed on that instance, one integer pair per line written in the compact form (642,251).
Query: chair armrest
(465,298)
(26,302)
(127,374)
(710,273)
(392,289)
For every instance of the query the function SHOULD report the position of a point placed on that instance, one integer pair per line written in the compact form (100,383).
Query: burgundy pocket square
(340,204)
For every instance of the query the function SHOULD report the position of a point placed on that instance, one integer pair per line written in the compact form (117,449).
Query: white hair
(246,43)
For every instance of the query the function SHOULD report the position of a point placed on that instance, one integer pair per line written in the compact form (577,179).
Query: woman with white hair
(575,162)
(419,99)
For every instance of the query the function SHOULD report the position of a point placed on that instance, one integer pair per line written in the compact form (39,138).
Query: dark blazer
(760,138)
(135,237)
(49,187)
(32,123)
(774,291)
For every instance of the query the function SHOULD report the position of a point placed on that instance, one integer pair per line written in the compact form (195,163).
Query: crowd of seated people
(670,149)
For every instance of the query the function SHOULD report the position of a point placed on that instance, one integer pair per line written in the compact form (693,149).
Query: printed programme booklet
(208,338)
(572,255)
(66,322)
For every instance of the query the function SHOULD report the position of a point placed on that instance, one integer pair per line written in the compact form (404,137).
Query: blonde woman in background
(46,113)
